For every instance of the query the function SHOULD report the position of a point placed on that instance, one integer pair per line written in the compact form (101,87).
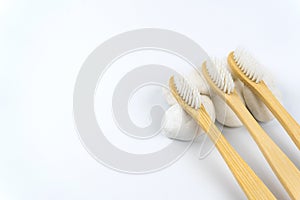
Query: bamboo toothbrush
(285,170)
(190,100)
(248,70)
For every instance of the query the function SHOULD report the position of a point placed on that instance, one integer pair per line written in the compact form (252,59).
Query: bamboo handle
(283,167)
(285,119)
(262,91)
(252,186)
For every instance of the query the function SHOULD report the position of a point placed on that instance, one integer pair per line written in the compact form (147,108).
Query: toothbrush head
(247,64)
(185,93)
(189,98)
(217,74)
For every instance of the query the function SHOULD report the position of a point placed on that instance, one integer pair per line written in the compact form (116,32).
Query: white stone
(258,109)
(197,79)
(175,118)
(224,113)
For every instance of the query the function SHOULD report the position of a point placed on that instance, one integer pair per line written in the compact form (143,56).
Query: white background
(42,47)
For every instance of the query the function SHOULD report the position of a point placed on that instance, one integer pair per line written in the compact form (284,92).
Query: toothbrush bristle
(220,75)
(187,92)
(248,64)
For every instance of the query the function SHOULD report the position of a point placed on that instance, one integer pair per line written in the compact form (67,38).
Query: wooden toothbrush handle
(252,186)
(285,119)
(282,166)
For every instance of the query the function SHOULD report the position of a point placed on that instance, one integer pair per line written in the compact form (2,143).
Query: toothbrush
(221,82)
(189,99)
(247,69)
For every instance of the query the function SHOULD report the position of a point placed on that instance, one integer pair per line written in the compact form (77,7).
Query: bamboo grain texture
(250,183)
(285,170)
(263,92)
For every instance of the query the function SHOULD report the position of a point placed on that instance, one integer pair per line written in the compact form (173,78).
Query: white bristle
(187,92)
(220,75)
(248,64)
